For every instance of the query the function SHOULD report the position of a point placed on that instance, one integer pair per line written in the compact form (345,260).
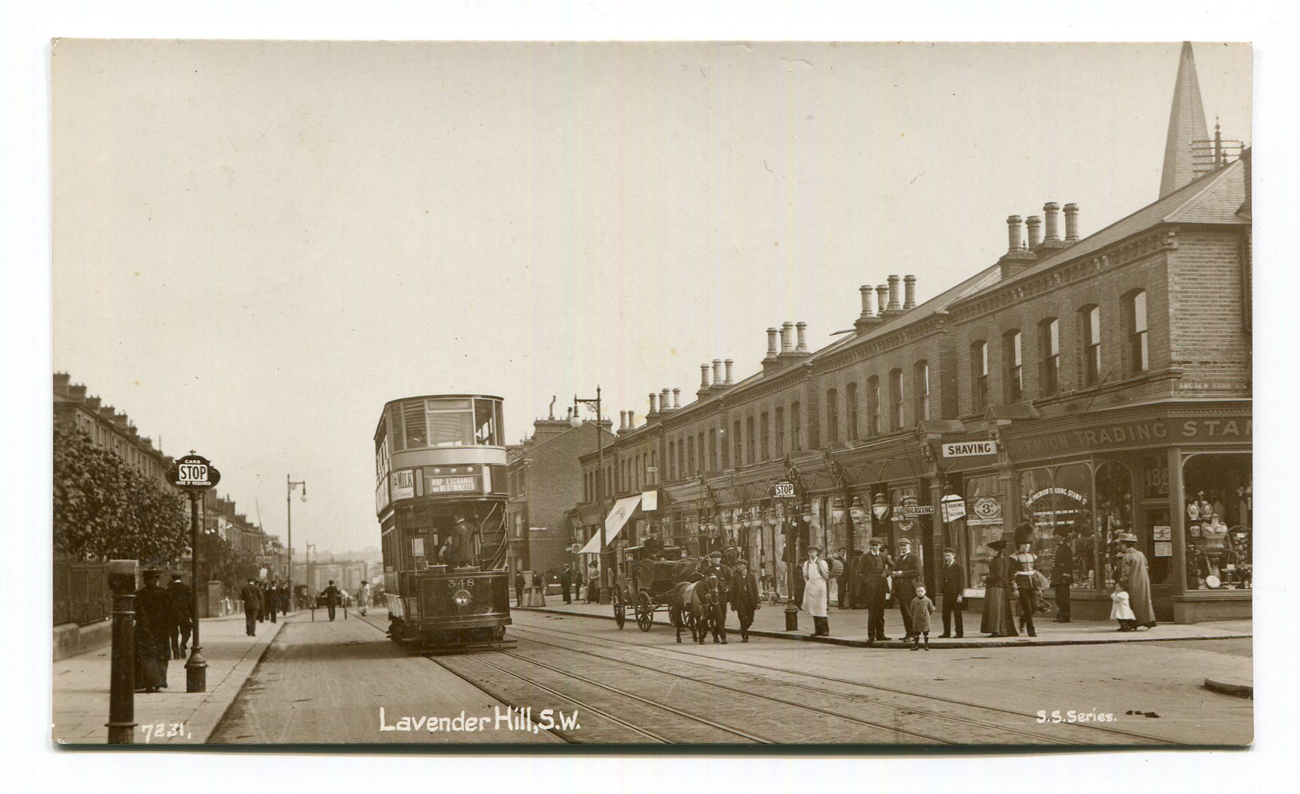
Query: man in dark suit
(653,548)
(566,584)
(251,595)
(873,573)
(269,600)
(906,575)
(952,586)
(744,596)
(182,605)
(332,596)
(1063,574)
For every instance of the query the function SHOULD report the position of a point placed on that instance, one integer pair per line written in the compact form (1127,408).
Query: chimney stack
(653,410)
(882,301)
(1072,223)
(787,346)
(800,327)
(727,364)
(704,381)
(717,373)
(677,399)
(895,306)
(631,419)
(1050,210)
(909,293)
(1013,234)
(868,318)
(622,420)
(771,344)
(665,404)
(1034,224)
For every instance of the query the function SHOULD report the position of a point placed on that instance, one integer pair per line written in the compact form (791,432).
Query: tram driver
(460,543)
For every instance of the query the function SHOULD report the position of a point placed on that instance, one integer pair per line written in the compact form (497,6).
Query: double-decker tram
(440,472)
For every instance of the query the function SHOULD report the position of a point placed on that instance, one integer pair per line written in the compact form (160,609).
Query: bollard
(121,693)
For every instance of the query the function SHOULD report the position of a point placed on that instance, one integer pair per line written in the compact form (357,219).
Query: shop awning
(614,523)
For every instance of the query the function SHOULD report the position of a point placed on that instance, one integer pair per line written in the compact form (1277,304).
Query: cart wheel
(645,611)
(620,613)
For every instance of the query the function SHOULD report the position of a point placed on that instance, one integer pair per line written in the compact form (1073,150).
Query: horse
(694,604)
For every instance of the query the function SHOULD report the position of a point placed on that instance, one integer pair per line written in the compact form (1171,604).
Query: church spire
(1186,124)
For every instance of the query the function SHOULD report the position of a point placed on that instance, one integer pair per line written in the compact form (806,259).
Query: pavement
(849,627)
(81,688)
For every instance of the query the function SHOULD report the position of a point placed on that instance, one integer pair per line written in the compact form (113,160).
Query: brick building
(1097,384)
(543,483)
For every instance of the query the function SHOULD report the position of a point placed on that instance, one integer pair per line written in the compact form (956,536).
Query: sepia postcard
(968,461)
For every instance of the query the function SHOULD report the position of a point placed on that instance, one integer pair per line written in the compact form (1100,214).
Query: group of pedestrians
(262,600)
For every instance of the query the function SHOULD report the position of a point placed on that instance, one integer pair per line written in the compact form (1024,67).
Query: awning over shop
(614,523)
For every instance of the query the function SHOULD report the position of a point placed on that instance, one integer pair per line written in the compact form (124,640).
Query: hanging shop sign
(649,501)
(953,507)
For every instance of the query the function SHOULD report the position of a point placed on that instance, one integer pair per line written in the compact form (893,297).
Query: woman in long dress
(817,574)
(998,619)
(1134,580)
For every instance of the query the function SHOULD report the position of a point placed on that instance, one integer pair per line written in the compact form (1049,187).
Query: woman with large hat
(998,619)
(1134,580)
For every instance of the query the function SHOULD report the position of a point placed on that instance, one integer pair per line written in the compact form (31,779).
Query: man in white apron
(817,574)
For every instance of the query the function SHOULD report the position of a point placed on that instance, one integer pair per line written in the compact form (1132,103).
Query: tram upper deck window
(453,422)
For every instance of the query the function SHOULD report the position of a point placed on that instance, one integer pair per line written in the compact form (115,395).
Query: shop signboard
(985,510)
(1124,434)
(966,449)
(649,501)
(404,484)
(953,508)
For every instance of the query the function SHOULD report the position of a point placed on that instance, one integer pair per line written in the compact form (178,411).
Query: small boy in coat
(921,609)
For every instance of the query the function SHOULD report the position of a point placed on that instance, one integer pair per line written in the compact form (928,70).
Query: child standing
(921,609)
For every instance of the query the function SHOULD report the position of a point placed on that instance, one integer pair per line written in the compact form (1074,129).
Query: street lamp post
(290,484)
(576,421)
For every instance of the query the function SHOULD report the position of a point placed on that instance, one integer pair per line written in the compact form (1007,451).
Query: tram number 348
(460,583)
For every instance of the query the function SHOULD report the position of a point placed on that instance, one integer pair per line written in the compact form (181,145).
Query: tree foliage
(105,508)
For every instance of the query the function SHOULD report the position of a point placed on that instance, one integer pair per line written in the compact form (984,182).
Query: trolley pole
(289,485)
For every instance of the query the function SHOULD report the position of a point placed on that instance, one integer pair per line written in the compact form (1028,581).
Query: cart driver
(653,548)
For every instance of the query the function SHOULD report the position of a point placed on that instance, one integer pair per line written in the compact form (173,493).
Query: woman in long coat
(816,574)
(153,629)
(1134,580)
(998,619)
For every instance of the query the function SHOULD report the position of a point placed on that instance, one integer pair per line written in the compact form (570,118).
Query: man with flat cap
(251,595)
(952,587)
(873,574)
(714,567)
(744,596)
(906,575)
(1062,573)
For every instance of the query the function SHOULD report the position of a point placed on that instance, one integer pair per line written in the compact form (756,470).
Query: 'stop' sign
(783,490)
(965,449)
(193,473)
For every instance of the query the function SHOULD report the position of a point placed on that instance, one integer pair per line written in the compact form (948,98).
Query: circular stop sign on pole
(193,473)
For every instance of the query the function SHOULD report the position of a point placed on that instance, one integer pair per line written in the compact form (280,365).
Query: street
(323,682)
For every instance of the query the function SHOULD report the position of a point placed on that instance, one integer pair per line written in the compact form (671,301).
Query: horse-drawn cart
(644,585)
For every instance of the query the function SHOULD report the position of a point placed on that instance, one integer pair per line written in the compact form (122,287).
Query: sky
(256,244)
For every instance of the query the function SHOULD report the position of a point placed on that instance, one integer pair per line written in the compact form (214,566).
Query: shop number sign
(986,510)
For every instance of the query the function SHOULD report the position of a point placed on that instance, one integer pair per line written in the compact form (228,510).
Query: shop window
(1062,497)
(1090,324)
(851,399)
(1114,512)
(1011,355)
(1135,311)
(1049,344)
(979,375)
(984,524)
(1218,511)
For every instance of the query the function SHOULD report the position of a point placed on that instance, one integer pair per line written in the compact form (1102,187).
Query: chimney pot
(622,420)
(801,326)
(894,304)
(771,343)
(909,293)
(787,346)
(677,399)
(631,419)
(1050,210)
(1034,225)
(867,311)
(664,404)
(704,376)
(1013,234)
(727,364)
(882,300)
(1072,223)
(717,372)
(653,411)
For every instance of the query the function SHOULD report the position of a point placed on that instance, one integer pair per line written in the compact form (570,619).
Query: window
(979,375)
(1011,356)
(1049,346)
(671,452)
(700,440)
(713,449)
(1090,320)
(873,406)
(764,431)
(735,443)
(749,440)
(921,383)
(851,398)
(796,428)
(1136,311)
(832,417)
(896,399)
(690,456)
(780,432)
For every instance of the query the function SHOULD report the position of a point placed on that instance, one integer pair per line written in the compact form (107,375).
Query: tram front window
(485,423)
(461,423)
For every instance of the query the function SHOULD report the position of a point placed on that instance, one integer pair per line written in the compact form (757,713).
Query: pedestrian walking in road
(1024,585)
(922,607)
(1134,580)
(998,619)
(153,631)
(744,597)
(952,591)
(873,572)
(906,576)
(816,576)
(251,595)
(1062,573)
(182,599)
(566,584)
(332,598)
(364,597)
